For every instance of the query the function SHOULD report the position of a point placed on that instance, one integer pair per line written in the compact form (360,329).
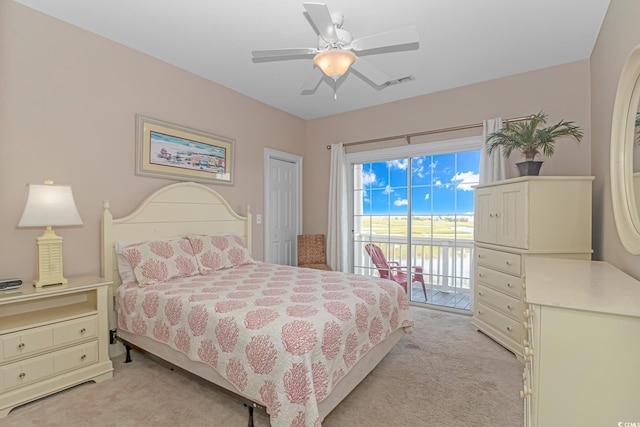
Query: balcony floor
(457,300)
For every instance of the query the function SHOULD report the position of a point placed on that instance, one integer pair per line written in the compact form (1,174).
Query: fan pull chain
(335,89)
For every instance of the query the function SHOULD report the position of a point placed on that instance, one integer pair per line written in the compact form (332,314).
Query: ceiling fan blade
(390,38)
(312,82)
(370,72)
(321,18)
(284,52)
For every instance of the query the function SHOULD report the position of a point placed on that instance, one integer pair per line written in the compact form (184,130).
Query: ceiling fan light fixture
(334,62)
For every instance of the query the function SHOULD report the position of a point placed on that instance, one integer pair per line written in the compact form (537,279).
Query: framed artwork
(165,150)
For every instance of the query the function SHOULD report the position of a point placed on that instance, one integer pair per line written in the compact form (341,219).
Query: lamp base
(49,260)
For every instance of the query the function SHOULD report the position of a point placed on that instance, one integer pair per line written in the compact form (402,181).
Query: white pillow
(124,268)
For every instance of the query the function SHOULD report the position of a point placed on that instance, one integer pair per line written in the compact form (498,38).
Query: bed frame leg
(128,357)
(250,415)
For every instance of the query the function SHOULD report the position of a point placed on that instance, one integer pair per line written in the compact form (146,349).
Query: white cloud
(401,202)
(387,190)
(465,180)
(368,178)
(426,196)
(398,164)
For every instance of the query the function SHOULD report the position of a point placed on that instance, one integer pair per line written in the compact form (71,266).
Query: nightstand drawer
(505,325)
(506,304)
(502,282)
(498,260)
(28,371)
(33,341)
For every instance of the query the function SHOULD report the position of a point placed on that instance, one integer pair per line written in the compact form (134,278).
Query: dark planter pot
(529,168)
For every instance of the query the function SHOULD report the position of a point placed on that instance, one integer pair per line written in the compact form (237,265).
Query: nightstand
(52,338)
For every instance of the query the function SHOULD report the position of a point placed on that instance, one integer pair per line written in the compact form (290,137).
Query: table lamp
(49,205)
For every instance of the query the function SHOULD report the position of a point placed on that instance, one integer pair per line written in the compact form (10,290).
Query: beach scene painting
(166,150)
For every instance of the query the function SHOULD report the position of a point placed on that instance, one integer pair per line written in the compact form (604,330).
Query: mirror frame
(625,210)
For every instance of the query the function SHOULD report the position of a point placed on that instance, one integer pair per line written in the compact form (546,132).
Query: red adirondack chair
(392,269)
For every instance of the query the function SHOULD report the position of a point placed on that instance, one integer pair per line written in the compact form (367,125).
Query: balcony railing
(446,263)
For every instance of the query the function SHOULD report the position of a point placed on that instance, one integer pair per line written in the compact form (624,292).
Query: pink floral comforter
(283,336)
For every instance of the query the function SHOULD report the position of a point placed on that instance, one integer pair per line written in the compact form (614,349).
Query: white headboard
(171,211)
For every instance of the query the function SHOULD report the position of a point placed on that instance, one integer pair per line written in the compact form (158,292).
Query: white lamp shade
(335,62)
(49,205)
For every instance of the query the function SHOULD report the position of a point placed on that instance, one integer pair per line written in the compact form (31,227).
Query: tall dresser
(515,219)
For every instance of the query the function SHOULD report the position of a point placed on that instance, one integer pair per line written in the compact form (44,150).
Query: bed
(293,341)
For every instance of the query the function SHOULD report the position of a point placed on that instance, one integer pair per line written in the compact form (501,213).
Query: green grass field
(437,226)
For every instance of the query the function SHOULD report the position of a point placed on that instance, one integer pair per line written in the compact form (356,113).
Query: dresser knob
(479,311)
(22,375)
(509,328)
(509,307)
(509,285)
(83,330)
(21,345)
(84,356)
(497,215)
(480,293)
(508,263)
(490,215)
(480,274)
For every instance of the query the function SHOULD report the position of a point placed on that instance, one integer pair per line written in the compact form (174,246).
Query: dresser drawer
(507,326)
(36,340)
(504,303)
(502,282)
(34,369)
(498,260)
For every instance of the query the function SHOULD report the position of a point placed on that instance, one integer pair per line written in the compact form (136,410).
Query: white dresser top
(582,285)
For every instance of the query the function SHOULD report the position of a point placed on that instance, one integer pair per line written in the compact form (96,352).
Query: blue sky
(441,185)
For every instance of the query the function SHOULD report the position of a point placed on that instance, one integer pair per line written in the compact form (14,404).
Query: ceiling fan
(336,51)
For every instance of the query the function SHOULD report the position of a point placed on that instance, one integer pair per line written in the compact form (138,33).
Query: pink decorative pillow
(160,260)
(214,252)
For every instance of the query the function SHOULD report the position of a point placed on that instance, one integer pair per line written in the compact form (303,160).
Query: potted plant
(530,138)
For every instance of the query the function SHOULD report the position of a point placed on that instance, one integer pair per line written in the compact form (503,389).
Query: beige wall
(561,91)
(68,100)
(620,33)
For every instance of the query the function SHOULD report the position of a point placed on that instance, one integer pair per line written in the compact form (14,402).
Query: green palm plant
(637,144)
(527,137)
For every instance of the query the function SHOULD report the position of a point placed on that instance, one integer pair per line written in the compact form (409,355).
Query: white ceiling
(461,42)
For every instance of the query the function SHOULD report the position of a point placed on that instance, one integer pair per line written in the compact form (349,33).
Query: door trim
(270,154)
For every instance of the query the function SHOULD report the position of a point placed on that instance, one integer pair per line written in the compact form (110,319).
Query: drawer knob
(22,375)
(509,328)
(479,311)
(480,293)
(490,215)
(480,274)
(83,330)
(509,285)
(509,307)
(497,215)
(479,255)
(21,345)
(509,263)
(84,356)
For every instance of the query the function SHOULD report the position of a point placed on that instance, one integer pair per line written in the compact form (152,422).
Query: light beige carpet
(443,374)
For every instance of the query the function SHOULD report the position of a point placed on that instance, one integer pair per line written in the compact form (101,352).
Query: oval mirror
(625,155)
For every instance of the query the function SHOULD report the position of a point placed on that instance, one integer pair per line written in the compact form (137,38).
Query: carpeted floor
(443,374)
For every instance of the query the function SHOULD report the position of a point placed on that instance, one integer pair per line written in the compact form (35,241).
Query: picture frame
(166,150)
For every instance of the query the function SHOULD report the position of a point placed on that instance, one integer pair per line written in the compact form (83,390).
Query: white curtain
(493,167)
(337,232)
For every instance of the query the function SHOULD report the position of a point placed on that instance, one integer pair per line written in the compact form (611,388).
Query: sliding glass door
(416,213)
